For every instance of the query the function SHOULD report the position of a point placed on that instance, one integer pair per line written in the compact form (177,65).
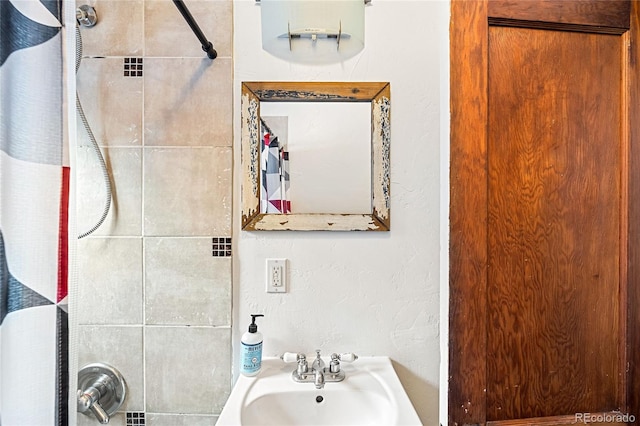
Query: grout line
(226,58)
(162,146)
(142,217)
(217,327)
(111,325)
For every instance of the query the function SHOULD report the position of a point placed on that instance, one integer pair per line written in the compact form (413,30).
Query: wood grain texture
(580,13)
(633,289)
(381,156)
(283,91)
(468,192)
(249,155)
(314,222)
(554,332)
(610,417)
(468,40)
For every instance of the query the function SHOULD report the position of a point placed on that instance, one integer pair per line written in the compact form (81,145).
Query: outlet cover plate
(276,275)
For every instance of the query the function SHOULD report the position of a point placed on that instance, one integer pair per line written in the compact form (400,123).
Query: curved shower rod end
(211,52)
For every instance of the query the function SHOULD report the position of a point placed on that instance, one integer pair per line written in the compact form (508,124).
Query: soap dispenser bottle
(251,349)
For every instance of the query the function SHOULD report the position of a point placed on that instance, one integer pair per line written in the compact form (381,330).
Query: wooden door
(545,212)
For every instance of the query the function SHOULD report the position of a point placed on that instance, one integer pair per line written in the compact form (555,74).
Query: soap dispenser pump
(251,347)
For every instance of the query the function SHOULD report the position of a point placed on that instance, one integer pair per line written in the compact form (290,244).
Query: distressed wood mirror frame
(378,94)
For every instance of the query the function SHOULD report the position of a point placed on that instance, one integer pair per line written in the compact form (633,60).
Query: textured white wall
(370,293)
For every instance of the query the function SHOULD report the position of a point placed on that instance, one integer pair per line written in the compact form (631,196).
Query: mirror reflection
(315,156)
(329,154)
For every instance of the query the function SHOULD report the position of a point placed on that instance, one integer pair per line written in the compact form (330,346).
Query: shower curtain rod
(206,44)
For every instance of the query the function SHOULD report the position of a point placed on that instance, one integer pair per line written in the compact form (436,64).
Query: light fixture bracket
(314,34)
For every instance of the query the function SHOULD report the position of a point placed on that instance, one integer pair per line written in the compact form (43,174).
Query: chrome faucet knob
(303,367)
(334,365)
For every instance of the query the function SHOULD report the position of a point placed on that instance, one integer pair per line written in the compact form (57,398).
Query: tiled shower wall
(155,279)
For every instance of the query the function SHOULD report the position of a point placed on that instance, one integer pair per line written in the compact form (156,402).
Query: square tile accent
(135,419)
(221,247)
(133,67)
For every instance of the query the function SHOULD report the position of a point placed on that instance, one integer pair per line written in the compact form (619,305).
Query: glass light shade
(322,31)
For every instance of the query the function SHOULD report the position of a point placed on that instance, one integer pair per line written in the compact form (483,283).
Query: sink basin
(371,394)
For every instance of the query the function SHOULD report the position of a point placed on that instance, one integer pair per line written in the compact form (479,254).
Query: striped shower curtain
(34,213)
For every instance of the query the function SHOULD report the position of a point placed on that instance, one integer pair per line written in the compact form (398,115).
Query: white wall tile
(119,30)
(110,281)
(112,103)
(168,34)
(121,348)
(154,419)
(188,369)
(187,102)
(185,284)
(118,419)
(187,192)
(125,171)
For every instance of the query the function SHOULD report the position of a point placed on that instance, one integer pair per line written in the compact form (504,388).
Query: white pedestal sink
(371,394)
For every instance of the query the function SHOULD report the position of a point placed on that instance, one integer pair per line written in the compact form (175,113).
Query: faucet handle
(290,357)
(301,359)
(102,390)
(348,357)
(98,411)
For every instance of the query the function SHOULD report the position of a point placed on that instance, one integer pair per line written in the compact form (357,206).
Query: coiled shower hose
(94,143)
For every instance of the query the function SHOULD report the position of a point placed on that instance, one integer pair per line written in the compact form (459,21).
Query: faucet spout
(319,378)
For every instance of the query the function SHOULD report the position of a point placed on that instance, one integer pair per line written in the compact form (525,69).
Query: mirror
(328,175)
(272,152)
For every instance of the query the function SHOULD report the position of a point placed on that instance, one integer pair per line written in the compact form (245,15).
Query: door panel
(554,217)
(545,211)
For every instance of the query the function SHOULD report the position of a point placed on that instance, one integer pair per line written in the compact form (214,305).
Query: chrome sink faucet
(319,379)
(319,374)
(318,368)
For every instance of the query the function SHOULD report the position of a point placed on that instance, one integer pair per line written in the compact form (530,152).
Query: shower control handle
(99,412)
(90,399)
(101,390)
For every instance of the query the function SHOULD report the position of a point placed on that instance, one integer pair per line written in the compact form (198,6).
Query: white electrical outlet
(276,275)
